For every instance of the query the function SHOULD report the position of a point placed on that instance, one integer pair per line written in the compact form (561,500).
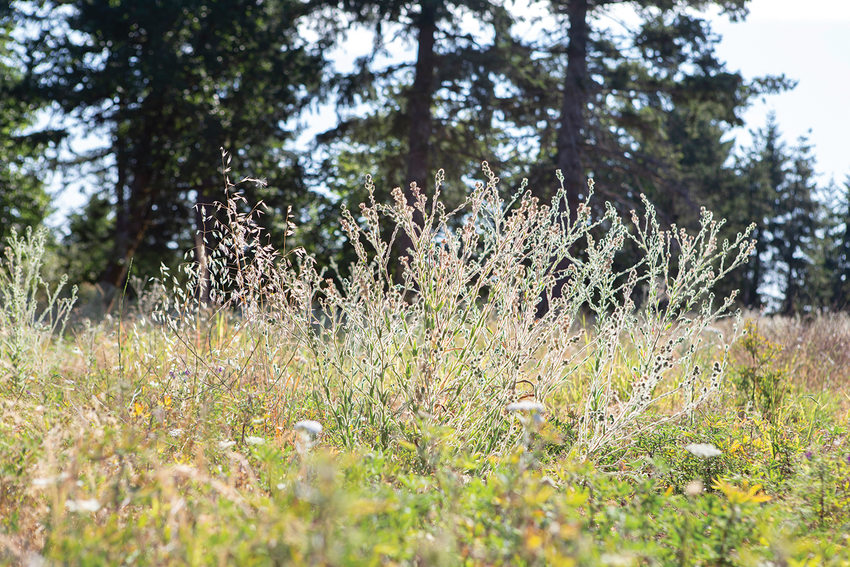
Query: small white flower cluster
(525,406)
(310,427)
(308,430)
(525,409)
(703,450)
(89,505)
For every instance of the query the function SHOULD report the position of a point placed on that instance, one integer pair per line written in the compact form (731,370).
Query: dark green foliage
(23,199)
(461,107)
(169,83)
(642,106)
(656,103)
(828,277)
(776,189)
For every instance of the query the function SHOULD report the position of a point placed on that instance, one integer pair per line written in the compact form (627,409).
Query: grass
(458,427)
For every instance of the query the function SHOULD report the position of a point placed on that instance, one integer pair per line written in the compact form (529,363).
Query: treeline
(630,93)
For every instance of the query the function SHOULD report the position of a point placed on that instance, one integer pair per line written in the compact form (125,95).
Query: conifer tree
(167,83)
(23,198)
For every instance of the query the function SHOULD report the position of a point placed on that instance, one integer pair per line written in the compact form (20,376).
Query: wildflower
(525,406)
(808,455)
(309,427)
(90,505)
(307,430)
(252,440)
(703,450)
(176,432)
(743,495)
(226,444)
(42,482)
(694,488)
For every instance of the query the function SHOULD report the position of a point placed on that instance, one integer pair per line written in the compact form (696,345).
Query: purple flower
(847,458)
(808,455)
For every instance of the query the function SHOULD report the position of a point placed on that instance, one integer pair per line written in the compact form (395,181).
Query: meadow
(249,409)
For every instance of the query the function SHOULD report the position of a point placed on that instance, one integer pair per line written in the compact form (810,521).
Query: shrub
(30,311)
(459,335)
(761,383)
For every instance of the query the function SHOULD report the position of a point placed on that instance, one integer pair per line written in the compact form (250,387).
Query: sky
(807,41)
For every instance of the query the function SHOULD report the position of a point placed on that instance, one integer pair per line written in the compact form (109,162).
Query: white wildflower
(694,488)
(308,430)
(176,432)
(42,482)
(251,440)
(226,444)
(525,406)
(89,505)
(309,427)
(703,450)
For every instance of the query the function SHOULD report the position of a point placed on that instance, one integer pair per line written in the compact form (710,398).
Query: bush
(30,312)
(460,334)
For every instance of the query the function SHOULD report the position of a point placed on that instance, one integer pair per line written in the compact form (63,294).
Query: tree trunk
(112,272)
(575,98)
(419,100)
(136,192)
(420,97)
(131,231)
(203,210)
(571,125)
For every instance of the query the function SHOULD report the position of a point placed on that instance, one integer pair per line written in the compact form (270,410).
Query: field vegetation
(507,393)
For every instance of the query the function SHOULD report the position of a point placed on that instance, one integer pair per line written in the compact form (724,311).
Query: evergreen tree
(438,111)
(643,107)
(794,227)
(411,118)
(171,82)
(754,199)
(828,286)
(23,198)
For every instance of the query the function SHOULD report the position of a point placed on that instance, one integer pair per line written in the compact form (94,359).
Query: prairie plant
(234,314)
(461,336)
(31,313)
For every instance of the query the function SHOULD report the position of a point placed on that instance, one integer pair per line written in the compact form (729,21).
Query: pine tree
(794,227)
(169,83)
(23,198)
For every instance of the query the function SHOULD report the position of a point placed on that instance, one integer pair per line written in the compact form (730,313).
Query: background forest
(643,107)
